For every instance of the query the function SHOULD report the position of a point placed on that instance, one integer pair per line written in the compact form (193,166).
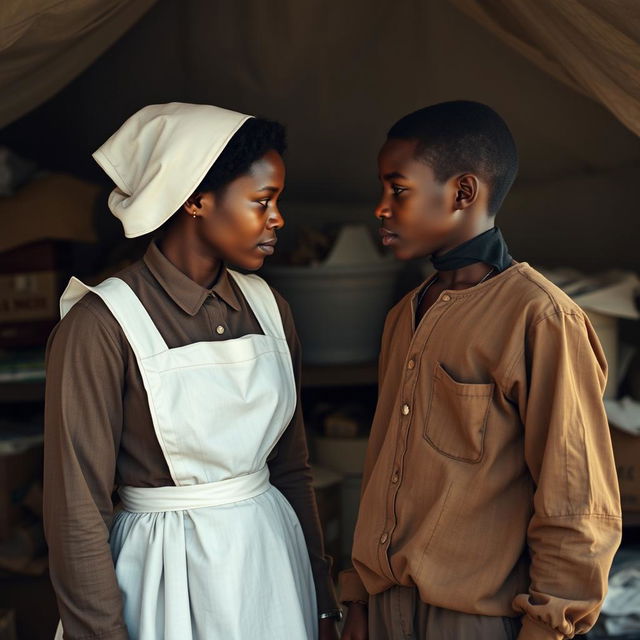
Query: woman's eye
(264,202)
(397,190)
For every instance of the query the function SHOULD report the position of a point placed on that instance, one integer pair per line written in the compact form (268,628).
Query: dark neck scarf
(488,247)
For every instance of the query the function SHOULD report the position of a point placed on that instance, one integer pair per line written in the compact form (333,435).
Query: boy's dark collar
(488,247)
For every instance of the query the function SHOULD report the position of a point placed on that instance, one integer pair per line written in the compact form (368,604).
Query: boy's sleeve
(83,423)
(575,528)
(351,587)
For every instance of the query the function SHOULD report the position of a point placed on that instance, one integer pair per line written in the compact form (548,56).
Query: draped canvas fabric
(591,45)
(44,44)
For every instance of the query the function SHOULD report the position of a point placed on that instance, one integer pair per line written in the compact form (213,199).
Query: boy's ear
(467,190)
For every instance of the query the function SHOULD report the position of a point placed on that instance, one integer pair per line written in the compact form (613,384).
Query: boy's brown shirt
(489,481)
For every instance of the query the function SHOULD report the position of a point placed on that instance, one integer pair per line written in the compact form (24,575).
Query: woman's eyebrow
(272,189)
(393,175)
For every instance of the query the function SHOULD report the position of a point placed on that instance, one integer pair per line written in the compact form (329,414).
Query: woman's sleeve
(83,423)
(291,474)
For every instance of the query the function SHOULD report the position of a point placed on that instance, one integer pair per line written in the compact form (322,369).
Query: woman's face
(240,222)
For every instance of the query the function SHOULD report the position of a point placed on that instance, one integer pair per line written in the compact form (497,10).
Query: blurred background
(564,75)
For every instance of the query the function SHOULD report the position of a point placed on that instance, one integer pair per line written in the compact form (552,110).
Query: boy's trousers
(398,614)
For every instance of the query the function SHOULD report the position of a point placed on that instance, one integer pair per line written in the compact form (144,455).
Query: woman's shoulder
(91,308)
(89,322)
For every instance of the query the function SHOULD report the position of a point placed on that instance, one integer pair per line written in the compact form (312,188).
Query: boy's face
(418,214)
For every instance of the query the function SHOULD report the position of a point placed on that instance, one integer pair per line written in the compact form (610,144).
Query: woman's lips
(268,247)
(388,237)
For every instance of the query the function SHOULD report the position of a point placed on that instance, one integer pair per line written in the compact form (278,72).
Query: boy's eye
(397,190)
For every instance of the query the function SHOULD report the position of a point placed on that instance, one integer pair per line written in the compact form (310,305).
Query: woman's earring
(194,214)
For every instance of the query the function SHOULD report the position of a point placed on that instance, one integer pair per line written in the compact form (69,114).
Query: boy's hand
(356,624)
(327,629)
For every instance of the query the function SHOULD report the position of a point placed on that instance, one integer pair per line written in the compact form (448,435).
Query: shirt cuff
(532,630)
(351,587)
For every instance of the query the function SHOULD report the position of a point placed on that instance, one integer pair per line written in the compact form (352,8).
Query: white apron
(221,555)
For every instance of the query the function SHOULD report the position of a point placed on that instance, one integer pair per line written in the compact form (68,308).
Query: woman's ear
(467,190)
(196,204)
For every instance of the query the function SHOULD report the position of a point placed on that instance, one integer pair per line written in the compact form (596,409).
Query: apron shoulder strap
(141,332)
(262,302)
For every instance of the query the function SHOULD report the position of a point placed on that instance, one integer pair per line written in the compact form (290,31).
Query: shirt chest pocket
(457,415)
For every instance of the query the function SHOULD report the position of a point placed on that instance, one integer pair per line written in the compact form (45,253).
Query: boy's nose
(382,210)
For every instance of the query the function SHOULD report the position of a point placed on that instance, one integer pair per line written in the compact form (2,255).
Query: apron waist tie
(195,496)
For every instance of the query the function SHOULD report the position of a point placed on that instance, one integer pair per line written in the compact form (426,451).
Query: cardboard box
(55,206)
(28,296)
(32,278)
(626,450)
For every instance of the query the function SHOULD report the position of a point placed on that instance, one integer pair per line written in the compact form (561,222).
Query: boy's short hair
(463,136)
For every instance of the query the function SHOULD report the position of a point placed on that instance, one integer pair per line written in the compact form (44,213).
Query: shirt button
(446,297)
(405,409)
(219,329)
(383,538)
(395,477)
(411,364)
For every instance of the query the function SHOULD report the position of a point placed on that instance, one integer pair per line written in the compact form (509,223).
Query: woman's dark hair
(463,136)
(250,142)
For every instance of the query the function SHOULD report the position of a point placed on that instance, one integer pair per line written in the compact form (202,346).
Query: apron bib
(221,554)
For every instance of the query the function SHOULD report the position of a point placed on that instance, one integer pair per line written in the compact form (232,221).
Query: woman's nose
(276,221)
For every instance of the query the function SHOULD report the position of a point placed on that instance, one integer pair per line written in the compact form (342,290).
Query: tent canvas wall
(339,75)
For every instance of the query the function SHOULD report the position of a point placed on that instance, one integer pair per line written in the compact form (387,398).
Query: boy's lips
(388,237)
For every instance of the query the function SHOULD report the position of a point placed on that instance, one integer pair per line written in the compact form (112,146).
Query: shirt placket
(217,316)
(404,415)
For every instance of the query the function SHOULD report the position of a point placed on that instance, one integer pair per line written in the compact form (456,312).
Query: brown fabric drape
(44,44)
(591,45)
